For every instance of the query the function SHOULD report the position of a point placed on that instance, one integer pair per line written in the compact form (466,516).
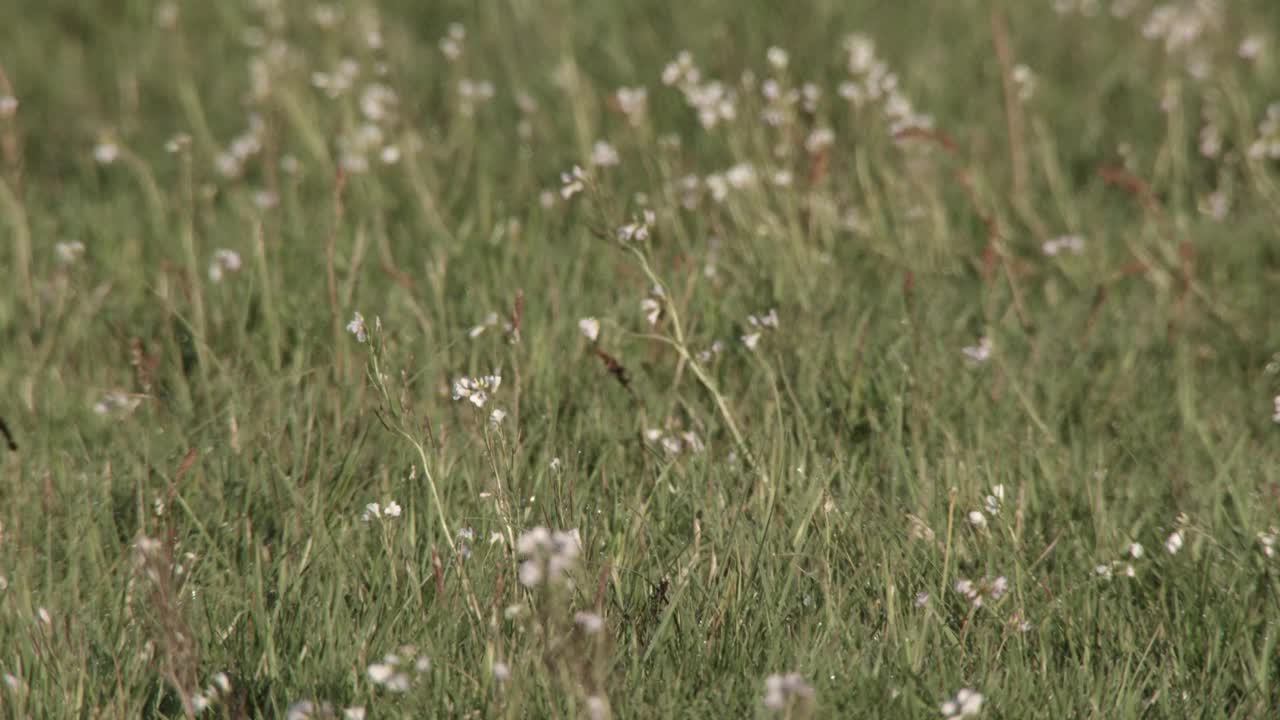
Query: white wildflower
(603,154)
(590,622)
(632,102)
(590,327)
(652,309)
(1267,541)
(1024,81)
(777,58)
(979,353)
(781,689)
(224,261)
(965,703)
(106,153)
(68,252)
(572,182)
(1072,243)
(547,555)
(356,327)
(1173,543)
(476,390)
(820,139)
(1251,47)
(982,591)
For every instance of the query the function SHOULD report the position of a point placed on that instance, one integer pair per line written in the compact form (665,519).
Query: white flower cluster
(983,591)
(1267,541)
(374,511)
(1268,143)
(590,328)
(218,688)
(713,102)
(68,252)
(224,261)
(117,401)
(674,444)
(872,83)
(476,390)
(965,703)
(548,556)
(389,674)
(1180,25)
(242,148)
(1124,566)
(632,103)
(759,324)
(993,503)
(980,353)
(782,689)
(572,182)
(638,229)
(1068,243)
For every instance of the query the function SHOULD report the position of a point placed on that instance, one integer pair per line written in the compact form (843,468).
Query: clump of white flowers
(780,690)
(375,511)
(68,252)
(983,591)
(980,353)
(548,557)
(117,401)
(638,229)
(632,103)
(1124,566)
(476,390)
(219,687)
(713,102)
(872,83)
(673,444)
(757,325)
(356,327)
(1267,541)
(965,703)
(392,672)
(224,261)
(1267,145)
(604,155)
(1065,243)
(572,182)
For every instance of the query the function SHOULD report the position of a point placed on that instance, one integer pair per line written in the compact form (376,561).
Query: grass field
(568,359)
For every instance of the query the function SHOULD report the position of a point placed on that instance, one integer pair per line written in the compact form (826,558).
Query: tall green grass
(944,411)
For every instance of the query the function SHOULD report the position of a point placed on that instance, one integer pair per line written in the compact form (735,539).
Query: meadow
(516,359)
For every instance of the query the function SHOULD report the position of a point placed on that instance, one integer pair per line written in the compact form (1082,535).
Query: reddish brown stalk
(615,368)
(517,313)
(1130,183)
